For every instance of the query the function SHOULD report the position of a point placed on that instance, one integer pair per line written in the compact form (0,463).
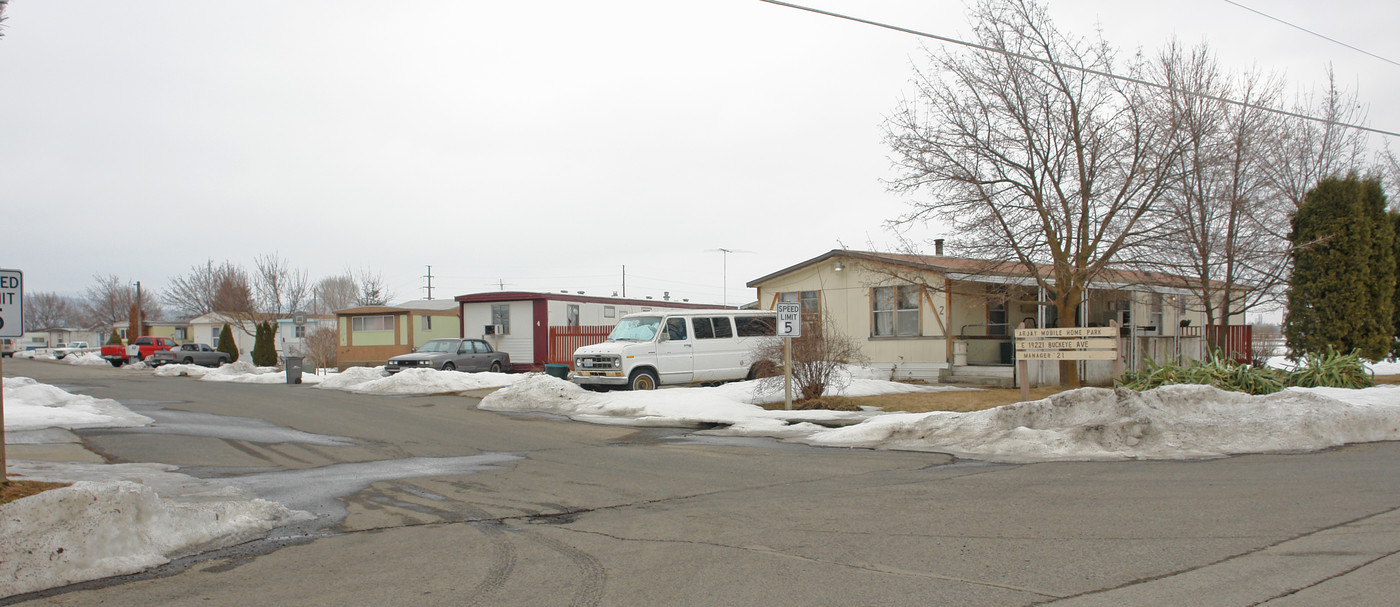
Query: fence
(1234,341)
(564,340)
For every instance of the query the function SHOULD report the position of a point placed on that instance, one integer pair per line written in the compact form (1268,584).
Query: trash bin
(959,353)
(559,371)
(293,364)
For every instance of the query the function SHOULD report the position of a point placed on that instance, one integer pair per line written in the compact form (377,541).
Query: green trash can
(559,371)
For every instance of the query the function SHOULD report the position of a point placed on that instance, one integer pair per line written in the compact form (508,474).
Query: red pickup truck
(144,346)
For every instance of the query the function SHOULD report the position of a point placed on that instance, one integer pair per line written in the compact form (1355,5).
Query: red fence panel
(564,340)
(1234,341)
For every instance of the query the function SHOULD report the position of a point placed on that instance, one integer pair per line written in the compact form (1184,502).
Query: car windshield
(439,345)
(641,328)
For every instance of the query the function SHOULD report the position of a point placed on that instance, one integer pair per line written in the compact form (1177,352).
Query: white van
(651,349)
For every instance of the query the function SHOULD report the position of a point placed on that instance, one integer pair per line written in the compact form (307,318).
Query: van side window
(722,327)
(675,329)
(703,328)
(756,326)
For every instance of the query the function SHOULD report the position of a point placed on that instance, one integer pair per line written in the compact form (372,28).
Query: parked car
(452,355)
(8,347)
(189,354)
(139,351)
(651,349)
(76,347)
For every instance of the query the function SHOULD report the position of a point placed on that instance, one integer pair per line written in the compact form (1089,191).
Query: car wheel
(496,366)
(642,379)
(188,361)
(115,363)
(449,367)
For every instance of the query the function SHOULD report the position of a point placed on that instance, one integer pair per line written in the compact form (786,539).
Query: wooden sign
(1072,332)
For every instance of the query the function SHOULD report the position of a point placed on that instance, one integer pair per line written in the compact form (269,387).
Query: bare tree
(44,310)
(372,291)
(322,347)
(280,288)
(207,288)
(334,293)
(1308,151)
(111,301)
(1227,225)
(1033,162)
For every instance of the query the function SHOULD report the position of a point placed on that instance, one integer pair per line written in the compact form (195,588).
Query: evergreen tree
(227,345)
(264,350)
(1378,325)
(1332,297)
(1395,301)
(115,339)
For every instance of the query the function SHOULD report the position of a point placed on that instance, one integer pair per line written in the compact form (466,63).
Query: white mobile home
(544,328)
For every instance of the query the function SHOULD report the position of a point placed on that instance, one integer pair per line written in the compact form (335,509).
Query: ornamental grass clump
(1331,370)
(1216,370)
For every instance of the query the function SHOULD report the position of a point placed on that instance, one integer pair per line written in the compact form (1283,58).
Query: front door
(675,352)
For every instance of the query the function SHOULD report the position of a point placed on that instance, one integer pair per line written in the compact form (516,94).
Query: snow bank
(1171,422)
(30,405)
(729,404)
(241,372)
(414,381)
(92,530)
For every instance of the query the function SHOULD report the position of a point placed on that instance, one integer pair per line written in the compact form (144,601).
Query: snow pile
(86,359)
(729,404)
(34,355)
(30,405)
(241,372)
(1171,422)
(181,370)
(414,381)
(92,530)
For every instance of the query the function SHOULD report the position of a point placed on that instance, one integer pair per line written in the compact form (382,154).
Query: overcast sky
(541,144)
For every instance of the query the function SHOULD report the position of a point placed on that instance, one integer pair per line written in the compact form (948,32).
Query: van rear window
(756,326)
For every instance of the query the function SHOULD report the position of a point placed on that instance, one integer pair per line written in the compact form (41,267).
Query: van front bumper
(599,378)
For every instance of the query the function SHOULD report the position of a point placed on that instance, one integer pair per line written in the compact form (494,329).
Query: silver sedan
(452,355)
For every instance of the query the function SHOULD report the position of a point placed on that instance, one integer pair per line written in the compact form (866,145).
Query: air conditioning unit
(495,329)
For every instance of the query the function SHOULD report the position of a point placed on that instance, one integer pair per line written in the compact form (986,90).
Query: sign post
(789,326)
(11,325)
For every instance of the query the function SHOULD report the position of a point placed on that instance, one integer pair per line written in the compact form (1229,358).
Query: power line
(1304,29)
(1079,68)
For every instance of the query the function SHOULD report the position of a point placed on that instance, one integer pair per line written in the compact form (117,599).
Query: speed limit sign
(11,303)
(789,319)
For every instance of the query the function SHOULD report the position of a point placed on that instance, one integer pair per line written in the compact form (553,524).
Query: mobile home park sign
(1077,343)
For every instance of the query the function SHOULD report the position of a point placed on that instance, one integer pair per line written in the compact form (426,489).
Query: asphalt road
(576,514)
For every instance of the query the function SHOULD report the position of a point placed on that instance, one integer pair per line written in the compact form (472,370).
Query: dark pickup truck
(189,354)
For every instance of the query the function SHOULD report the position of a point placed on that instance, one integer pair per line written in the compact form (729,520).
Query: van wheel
(642,380)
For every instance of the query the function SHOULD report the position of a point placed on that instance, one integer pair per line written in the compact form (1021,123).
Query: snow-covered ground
(124,518)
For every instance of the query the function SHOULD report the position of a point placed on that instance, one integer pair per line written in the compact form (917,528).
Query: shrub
(1219,371)
(115,339)
(264,349)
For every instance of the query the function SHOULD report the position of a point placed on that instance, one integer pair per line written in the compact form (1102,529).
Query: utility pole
(430,282)
(624,280)
(724,275)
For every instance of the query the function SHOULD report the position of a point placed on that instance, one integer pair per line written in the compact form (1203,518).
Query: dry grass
(13,490)
(921,402)
(1388,379)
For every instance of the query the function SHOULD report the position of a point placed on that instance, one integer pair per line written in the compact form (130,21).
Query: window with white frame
(609,312)
(427,323)
(571,314)
(372,323)
(894,311)
(299,332)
